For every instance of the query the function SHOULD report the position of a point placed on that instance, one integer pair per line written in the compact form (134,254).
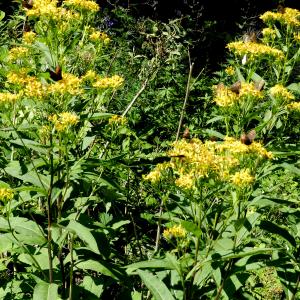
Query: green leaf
(192,228)
(2,15)
(45,291)
(98,267)
(157,287)
(215,133)
(291,168)
(151,264)
(31,145)
(91,286)
(84,234)
(276,229)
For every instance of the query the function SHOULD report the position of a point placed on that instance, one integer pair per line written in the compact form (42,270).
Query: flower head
(280,92)
(119,120)
(176,231)
(109,82)
(64,120)
(29,37)
(83,5)
(242,178)
(290,17)
(6,194)
(17,53)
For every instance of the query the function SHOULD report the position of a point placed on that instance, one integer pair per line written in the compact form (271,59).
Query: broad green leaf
(87,141)
(84,234)
(45,291)
(157,287)
(276,229)
(291,168)
(192,228)
(91,285)
(151,264)
(33,145)
(98,267)
(2,15)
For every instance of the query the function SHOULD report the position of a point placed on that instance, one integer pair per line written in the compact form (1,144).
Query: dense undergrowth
(126,175)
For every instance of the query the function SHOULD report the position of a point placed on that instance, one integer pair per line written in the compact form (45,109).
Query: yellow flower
(109,82)
(249,90)
(64,120)
(29,37)
(6,194)
(17,53)
(269,33)
(290,17)
(69,84)
(20,77)
(242,178)
(90,76)
(255,51)
(35,89)
(224,96)
(294,106)
(155,175)
(185,181)
(280,92)
(97,36)
(115,119)
(297,37)
(9,97)
(176,231)
(83,4)
(230,71)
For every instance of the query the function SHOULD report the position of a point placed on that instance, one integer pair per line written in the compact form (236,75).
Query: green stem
(71,268)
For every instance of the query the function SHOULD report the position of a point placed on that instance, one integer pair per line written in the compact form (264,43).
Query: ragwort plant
(219,222)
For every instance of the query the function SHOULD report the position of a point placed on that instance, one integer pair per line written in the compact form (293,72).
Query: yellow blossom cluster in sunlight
(63,120)
(6,194)
(242,178)
(98,36)
(192,160)
(20,77)
(17,53)
(29,37)
(49,9)
(255,51)
(35,89)
(230,70)
(83,4)
(9,97)
(278,91)
(119,120)
(295,106)
(268,33)
(297,37)
(90,76)
(290,17)
(249,90)
(69,84)
(176,231)
(109,82)
(224,96)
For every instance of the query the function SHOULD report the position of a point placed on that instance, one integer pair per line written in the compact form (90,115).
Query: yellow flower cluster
(6,194)
(83,4)
(269,33)
(242,178)
(249,90)
(35,89)
(69,84)
(97,36)
(49,9)
(90,76)
(290,17)
(109,82)
(297,37)
(278,91)
(19,78)
(29,37)
(230,71)
(155,175)
(295,106)
(64,120)
(9,97)
(224,96)
(176,231)
(255,50)
(119,120)
(17,53)
(192,160)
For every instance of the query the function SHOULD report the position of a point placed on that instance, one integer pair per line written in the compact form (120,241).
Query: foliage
(100,198)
